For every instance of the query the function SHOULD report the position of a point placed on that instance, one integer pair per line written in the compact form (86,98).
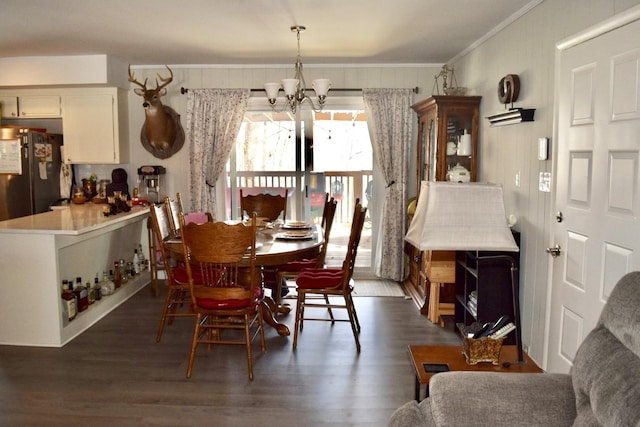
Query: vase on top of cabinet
(447,149)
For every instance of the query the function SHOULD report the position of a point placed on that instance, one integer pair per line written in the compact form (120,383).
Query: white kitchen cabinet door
(91,128)
(38,106)
(9,106)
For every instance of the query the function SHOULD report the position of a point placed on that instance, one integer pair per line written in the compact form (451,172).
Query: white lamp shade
(290,86)
(460,216)
(321,86)
(272,90)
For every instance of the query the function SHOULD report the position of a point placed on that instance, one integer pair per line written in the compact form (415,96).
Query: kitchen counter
(70,220)
(39,251)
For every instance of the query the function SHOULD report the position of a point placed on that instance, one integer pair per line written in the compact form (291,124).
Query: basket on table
(480,349)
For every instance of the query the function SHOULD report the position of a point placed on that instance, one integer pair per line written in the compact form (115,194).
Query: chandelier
(294,88)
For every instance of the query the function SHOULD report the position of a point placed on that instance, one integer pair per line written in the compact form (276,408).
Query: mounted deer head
(162,134)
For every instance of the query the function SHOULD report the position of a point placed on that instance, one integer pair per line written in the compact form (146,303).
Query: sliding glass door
(310,154)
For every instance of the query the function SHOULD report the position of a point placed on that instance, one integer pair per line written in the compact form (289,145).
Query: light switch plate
(543,148)
(545,182)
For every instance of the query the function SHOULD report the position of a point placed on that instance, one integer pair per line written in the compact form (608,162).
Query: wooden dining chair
(175,206)
(331,282)
(264,205)
(177,297)
(292,269)
(225,295)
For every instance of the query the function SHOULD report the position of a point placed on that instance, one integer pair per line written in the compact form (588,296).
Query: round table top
(277,251)
(271,250)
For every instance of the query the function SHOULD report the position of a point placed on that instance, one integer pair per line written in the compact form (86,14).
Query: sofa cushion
(412,414)
(606,382)
(606,369)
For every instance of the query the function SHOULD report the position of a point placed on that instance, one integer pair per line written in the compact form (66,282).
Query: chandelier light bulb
(272,90)
(290,86)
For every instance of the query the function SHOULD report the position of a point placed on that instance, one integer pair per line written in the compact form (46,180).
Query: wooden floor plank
(116,374)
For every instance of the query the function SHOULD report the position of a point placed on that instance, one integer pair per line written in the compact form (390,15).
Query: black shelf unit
(490,278)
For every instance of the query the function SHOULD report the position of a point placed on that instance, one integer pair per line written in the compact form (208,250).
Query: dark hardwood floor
(116,374)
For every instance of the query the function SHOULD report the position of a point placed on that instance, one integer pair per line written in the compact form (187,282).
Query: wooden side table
(428,360)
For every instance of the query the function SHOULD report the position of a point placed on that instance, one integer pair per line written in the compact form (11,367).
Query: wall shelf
(512,116)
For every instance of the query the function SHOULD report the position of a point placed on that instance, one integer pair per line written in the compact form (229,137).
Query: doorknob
(554,251)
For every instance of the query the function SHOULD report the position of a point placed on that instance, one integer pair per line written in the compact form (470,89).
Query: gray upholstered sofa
(602,389)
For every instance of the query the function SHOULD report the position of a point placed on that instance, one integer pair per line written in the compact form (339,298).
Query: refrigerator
(30,165)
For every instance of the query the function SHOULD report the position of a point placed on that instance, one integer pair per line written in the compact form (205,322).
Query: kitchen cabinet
(9,106)
(95,125)
(447,148)
(37,252)
(30,106)
(483,287)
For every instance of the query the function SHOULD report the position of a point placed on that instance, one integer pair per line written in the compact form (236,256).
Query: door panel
(597,184)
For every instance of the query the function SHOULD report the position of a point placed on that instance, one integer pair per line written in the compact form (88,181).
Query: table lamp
(466,217)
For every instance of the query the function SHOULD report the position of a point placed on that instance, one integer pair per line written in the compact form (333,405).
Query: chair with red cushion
(177,286)
(225,284)
(331,283)
(293,268)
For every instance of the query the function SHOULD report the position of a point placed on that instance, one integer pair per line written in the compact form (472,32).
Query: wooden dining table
(274,248)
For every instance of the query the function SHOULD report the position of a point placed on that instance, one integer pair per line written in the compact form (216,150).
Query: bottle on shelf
(123,271)
(142,258)
(136,261)
(68,304)
(75,295)
(107,287)
(131,271)
(81,292)
(91,293)
(96,288)
(117,274)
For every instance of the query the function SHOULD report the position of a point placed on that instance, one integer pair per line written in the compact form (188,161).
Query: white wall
(527,48)
(177,178)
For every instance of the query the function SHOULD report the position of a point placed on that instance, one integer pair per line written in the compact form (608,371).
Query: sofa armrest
(492,398)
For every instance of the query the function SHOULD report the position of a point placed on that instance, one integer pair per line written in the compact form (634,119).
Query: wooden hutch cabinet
(447,148)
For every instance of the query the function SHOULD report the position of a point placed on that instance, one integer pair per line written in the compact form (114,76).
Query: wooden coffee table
(441,358)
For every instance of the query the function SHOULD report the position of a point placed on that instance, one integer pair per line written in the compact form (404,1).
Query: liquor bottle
(81,292)
(123,271)
(91,293)
(136,262)
(142,258)
(68,303)
(96,288)
(106,286)
(117,274)
(75,295)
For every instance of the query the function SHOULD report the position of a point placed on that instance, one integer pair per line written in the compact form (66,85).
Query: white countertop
(72,220)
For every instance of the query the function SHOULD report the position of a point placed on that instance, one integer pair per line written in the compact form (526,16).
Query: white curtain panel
(214,117)
(389,117)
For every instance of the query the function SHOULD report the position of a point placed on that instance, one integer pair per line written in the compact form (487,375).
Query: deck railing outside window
(345,186)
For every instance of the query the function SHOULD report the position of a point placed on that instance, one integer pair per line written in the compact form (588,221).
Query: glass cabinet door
(432,148)
(447,138)
(459,146)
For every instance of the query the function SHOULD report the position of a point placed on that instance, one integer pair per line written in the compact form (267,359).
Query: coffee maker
(150,177)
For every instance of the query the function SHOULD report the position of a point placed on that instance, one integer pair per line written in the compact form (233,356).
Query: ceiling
(153,32)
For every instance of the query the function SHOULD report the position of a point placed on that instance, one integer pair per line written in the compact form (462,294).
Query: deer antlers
(165,80)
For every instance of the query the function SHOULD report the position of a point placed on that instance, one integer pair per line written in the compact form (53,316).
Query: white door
(597,194)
